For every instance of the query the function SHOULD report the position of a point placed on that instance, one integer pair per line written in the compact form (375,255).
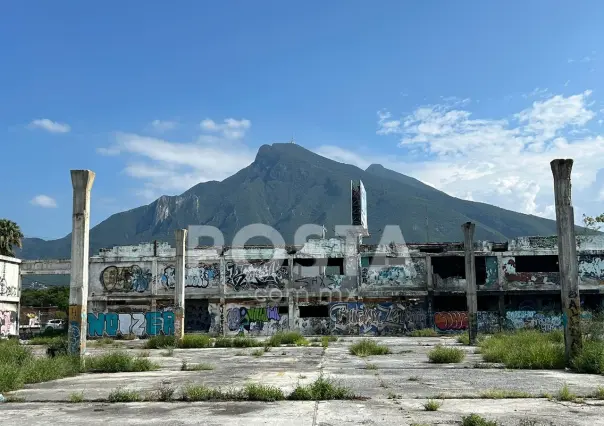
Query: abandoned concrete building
(328,286)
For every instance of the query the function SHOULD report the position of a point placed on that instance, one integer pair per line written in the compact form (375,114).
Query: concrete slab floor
(395,386)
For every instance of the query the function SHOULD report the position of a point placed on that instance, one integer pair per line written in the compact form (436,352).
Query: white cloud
(43,201)
(50,126)
(230,128)
(167,167)
(502,161)
(163,125)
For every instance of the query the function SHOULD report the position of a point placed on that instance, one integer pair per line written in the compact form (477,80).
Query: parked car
(54,324)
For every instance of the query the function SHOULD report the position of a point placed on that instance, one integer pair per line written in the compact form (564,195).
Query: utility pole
(179,287)
(567,258)
(472,299)
(78,287)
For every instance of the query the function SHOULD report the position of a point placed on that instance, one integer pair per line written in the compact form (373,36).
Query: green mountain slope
(288,186)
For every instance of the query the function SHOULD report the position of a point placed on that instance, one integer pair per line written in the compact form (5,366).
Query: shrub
(223,342)
(591,358)
(476,420)
(160,342)
(124,395)
(432,405)
(116,362)
(321,389)
(257,392)
(245,342)
(529,349)
(424,332)
(368,347)
(164,392)
(195,341)
(446,355)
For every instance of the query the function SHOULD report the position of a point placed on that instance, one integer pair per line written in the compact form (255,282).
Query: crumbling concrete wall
(10,293)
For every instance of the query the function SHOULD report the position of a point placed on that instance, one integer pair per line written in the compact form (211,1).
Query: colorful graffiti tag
(515,320)
(201,276)
(381,318)
(6,289)
(140,324)
(324,281)
(125,279)
(8,323)
(257,320)
(388,275)
(256,274)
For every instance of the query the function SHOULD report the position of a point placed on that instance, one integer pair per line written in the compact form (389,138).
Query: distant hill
(287,186)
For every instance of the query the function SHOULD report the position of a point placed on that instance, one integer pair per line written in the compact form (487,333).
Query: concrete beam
(567,258)
(78,290)
(46,267)
(179,288)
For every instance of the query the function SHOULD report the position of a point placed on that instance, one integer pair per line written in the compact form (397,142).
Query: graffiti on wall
(488,322)
(591,268)
(126,279)
(528,279)
(196,275)
(140,324)
(256,274)
(323,281)
(255,320)
(6,289)
(379,318)
(314,326)
(388,275)
(492,274)
(8,323)
(515,320)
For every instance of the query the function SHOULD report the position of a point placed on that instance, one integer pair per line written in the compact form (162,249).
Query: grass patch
(160,342)
(446,355)
(164,392)
(325,341)
(432,405)
(464,339)
(44,340)
(320,390)
(526,349)
(564,394)
(104,341)
(371,367)
(504,394)
(424,332)
(245,342)
(287,338)
(257,392)
(76,397)
(124,395)
(599,393)
(117,362)
(368,347)
(476,420)
(194,341)
(193,393)
(591,358)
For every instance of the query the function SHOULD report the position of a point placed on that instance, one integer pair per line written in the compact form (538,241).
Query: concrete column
(291,311)
(468,233)
(429,284)
(179,288)
(500,274)
(567,258)
(502,314)
(81,181)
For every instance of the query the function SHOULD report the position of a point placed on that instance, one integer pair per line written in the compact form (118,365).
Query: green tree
(10,235)
(593,223)
(52,296)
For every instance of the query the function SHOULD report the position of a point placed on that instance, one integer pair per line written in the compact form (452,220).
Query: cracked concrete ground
(395,387)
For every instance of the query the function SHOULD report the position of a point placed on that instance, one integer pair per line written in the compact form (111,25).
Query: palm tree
(10,235)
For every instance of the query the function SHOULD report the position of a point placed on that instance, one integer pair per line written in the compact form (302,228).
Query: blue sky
(474,98)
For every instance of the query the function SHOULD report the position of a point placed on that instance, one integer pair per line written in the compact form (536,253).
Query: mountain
(287,186)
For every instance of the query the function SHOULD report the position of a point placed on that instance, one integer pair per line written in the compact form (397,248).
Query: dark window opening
(547,263)
(283,310)
(335,266)
(305,262)
(449,266)
(314,311)
(450,303)
(437,249)
(500,247)
(480,266)
(488,303)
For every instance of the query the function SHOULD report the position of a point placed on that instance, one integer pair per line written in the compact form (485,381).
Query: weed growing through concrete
(529,349)
(124,395)
(14,398)
(446,355)
(195,341)
(599,393)
(476,420)
(104,341)
(164,392)
(251,392)
(258,392)
(371,367)
(198,367)
(237,342)
(414,379)
(257,352)
(321,389)
(424,332)
(504,393)
(241,353)
(406,351)
(169,351)
(432,405)
(564,394)
(116,362)
(368,347)
(160,342)
(76,397)
(287,338)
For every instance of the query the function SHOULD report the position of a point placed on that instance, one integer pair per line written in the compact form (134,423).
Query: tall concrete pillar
(81,181)
(179,287)
(567,257)
(468,246)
